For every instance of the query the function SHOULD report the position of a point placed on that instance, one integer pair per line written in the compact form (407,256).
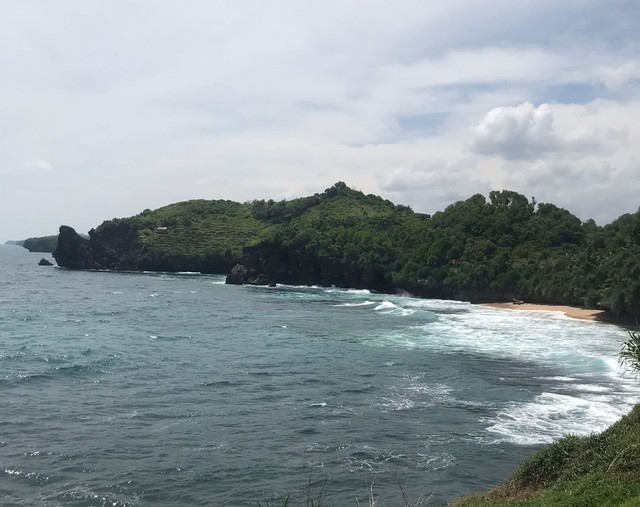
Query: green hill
(478,249)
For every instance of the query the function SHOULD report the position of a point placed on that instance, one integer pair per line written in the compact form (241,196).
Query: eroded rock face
(73,251)
(239,275)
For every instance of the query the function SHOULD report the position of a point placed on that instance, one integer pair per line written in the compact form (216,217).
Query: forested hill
(479,249)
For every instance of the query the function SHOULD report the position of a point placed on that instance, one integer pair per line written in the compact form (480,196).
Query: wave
(36,477)
(366,458)
(570,346)
(355,305)
(551,416)
(358,292)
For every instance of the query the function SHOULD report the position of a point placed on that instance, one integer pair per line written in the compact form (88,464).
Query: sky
(110,107)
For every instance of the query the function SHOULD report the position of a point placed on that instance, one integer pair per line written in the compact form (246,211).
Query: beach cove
(575,312)
(236,395)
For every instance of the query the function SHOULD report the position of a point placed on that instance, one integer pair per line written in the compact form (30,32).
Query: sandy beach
(574,312)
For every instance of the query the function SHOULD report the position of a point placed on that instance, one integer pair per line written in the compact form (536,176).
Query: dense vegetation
(596,471)
(479,249)
(199,235)
(45,244)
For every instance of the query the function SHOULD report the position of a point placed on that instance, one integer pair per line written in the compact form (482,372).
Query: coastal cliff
(478,250)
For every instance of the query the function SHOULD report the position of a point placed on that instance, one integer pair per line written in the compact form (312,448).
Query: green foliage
(629,357)
(190,235)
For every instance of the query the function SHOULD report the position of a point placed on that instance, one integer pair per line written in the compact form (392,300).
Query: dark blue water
(157,389)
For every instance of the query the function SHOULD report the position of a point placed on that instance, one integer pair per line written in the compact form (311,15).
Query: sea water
(147,389)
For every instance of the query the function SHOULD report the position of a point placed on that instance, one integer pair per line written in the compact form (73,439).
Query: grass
(601,470)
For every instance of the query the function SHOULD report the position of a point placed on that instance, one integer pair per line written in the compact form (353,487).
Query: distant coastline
(476,250)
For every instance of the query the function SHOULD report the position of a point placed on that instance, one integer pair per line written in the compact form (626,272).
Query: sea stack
(73,251)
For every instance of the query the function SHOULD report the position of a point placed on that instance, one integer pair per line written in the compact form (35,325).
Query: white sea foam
(589,392)
(387,307)
(551,416)
(414,393)
(591,388)
(358,292)
(363,303)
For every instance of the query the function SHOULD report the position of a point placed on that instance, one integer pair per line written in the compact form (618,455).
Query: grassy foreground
(601,470)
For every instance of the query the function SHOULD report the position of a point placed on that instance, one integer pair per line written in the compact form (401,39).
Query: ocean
(157,389)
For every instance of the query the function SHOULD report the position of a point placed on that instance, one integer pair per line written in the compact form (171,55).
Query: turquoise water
(125,389)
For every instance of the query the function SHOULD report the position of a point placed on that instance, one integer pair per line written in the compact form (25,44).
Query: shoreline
(574,312)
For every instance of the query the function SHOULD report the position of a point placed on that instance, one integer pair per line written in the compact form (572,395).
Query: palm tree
(629,358)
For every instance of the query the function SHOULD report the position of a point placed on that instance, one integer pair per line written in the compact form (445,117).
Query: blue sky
(111,107)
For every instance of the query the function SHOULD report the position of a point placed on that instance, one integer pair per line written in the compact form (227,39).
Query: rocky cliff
(295,265)
(72,250)
(117,250)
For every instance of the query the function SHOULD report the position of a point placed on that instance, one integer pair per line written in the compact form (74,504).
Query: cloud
(527,132)
(521,132)
(250,99)
(38,164)
(591,189)
(617,77)
(430,186)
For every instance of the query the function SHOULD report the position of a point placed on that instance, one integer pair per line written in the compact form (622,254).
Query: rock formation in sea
(73,251)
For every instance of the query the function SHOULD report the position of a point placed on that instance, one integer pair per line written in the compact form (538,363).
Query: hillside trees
(499,247)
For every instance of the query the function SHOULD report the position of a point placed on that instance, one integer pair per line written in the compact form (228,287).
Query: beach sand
(574,312)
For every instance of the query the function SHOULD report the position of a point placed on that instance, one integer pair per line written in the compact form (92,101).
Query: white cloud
(527,132)
(433,185)
(38,164)
(521,132)
(617,77)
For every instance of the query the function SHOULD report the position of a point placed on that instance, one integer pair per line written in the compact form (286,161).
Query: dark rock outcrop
(73,251)
(294,265)
(239,275)
(45,262)
(117,248)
